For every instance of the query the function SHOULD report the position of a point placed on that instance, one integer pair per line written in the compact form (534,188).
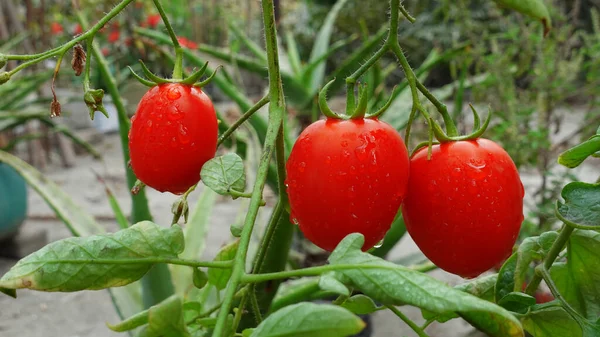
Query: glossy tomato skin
(464,206)
(346,176)
(173,133)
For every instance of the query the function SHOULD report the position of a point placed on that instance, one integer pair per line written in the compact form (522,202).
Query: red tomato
(77,30)
(153,20)
(184,42)
(542,297)
(56,28)
(173,133)
(114,36)
(346,176)
(464,207)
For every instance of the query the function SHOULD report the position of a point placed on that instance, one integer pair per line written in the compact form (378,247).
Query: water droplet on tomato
(476,163)
(173,93)
(354,216)
(328,160)
(183,136)
(344,143)
(346,153)
(456,172)
(499,189)
(173,142)
(378,244)
(174,114)
(302,166)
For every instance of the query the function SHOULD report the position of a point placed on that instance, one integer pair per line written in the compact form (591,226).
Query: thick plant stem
(276,111)
(556,248)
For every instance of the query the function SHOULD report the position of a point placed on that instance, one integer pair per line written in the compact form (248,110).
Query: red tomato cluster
(173,133)
(463,207)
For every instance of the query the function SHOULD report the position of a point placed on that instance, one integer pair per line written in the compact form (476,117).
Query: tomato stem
(242,119)
(408,321)
(276,116)
(178,68)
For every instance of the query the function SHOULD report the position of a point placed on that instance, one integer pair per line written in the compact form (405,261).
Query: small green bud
(200,278)
(3,60)
(93,96)
(4,77)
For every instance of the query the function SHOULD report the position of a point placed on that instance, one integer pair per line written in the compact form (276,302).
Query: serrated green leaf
(551,322)
(224,173)
(328,282)
(310,320)
(574,156)
(361,305)
(388,283)
(95,262)
(584,267)
(166,319)
(517,302)
(220,276)
(582,205)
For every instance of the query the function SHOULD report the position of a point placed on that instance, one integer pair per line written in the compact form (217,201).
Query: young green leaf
(389,283)
(224,173)
(361,305)
(328,282)
(506,278)
(220,277)
(166,319)
(564,282)
(551,322)
(310,320)
(581,205)
(531,249)
(517,302)
(200,278)
(574,156)
(95,262)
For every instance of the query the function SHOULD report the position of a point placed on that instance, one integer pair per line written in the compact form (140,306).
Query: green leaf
(310,320)
(388,283)
(551,322)
(79,222)
(328,282)
(200,278)
(531,249)
(130,323)
(247,332)
(322,45)
(582,205)
(96,262)
(219,277)
(584,267)
(517,302)
(361,305)
(576,155)
(482,287)
(224,173)
(195,238)
(166,319)
(535,9)
(506,278)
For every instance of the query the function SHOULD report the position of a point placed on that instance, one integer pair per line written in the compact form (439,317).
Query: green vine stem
(276,112)
(263,101)
(407,320)
(178,69)
(37,58)
(556,248)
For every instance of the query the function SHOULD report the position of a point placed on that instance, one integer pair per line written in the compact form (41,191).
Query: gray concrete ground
(37,314)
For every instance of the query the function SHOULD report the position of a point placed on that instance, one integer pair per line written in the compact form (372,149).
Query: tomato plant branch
(556,248)
(408,321)
(316,271)
(34,59)
(178,69)
(242,119)
(545,274)
(276,112)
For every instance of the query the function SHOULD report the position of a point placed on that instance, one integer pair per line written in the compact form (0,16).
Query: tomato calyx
(353,110)
(478,129)
(152,80)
